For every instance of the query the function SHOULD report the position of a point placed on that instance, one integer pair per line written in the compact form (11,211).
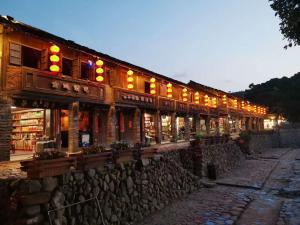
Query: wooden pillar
(158,127)
(187,131)
(207,125)
(5,128)
(96,127)
(55,119)
(173,127)
(111,125)
(137,126)
(143,139)
(218,126)
(73,138)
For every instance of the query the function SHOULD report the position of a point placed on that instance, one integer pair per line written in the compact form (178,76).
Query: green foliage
(93,150)
(120,146)
(245,136)
(199,136)
(289,13)
(46,155)
(282,96)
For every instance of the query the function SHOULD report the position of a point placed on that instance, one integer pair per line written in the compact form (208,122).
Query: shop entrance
(30,127)
(180,128)
(126,130)
(149,129)
(166,128)
(84,126)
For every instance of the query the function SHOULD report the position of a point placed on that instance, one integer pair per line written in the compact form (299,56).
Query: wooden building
(71,96)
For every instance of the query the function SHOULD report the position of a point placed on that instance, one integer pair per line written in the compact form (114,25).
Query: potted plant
(199,139)
(93,157)
(48,164)
(121,152)
(243,141)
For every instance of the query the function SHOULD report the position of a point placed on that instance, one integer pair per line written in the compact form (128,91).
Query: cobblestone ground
(252,174)
(266,198)
(209,207)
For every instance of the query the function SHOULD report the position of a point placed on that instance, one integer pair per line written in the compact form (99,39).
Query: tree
(289,13)
(282,96)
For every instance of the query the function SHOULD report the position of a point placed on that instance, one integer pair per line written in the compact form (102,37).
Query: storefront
(149,128)
(214,126)
(166,128)
(29,127)
(180,126)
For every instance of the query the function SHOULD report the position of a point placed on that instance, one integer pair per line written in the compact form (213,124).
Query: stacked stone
(125,193)
(225,157)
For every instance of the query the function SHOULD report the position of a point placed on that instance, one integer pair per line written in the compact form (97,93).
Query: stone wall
(224,157)
(284,138)
(260,142)
(289,137)
(126,193)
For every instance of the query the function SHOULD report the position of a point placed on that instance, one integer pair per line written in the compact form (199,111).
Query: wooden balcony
(33,81)
(126,97)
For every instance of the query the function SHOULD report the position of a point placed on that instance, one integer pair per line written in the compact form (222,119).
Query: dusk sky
(224,44)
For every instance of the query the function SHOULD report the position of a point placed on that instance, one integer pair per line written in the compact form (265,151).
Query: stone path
(209,207)
(274,153)
(248,177)
(259,202)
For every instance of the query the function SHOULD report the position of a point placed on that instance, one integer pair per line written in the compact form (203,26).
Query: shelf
(36,125)
(28,131)
(33,118)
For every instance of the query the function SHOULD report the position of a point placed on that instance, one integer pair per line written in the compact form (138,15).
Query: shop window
(166,128)
(147,87)
(163,90)
(85,132)
(15,54)
(85,71)
(67,67)
(31,57)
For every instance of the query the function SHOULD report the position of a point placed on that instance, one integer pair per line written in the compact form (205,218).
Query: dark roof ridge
(44,34)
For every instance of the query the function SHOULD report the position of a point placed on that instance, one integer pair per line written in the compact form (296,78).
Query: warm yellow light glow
(224,99)
(54,68)
(130,86)
(185,99)
(130,79)
(196,96)
(184,90)
(169,95)
(152,80)
(99,62)
(129,72)
(54,49)
(152,85)
(169,85)
(206,100)
(169,90)
(99,78)
(54,58)
(99,70)
(184,94)
(152,92)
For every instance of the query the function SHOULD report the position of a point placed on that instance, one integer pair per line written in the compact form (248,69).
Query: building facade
(56,91)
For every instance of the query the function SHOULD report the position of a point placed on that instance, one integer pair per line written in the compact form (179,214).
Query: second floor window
(147,87)
(31,57)
(67,67)
(85,71)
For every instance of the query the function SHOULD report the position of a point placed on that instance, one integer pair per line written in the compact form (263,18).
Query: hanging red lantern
(99,70)
(54,59)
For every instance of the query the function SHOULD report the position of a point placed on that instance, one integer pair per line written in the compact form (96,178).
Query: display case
(28,127)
